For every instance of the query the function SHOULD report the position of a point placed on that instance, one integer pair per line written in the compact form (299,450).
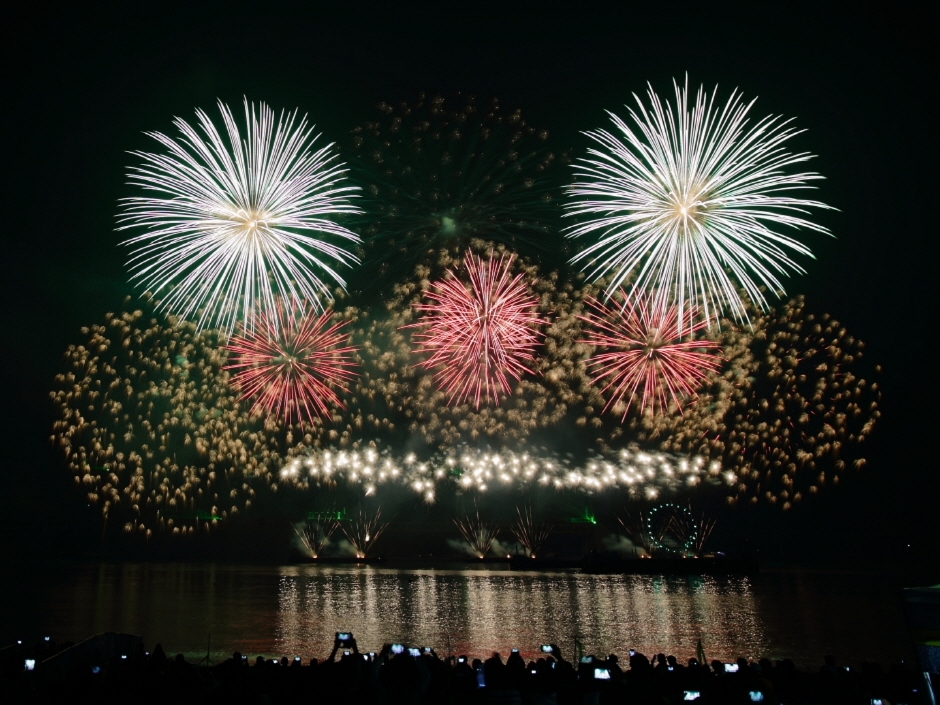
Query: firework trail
(637,529)
(640,349)
(530,534)
(477,533)
(290,362)
(315,533)
(231,225)
(364,530)
(692,531)
(688,194)
(439,172)
(478,337)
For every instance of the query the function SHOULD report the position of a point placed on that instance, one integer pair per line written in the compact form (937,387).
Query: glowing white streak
(238,222)
(687,195)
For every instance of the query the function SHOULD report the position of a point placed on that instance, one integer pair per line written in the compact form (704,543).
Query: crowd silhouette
(399,673)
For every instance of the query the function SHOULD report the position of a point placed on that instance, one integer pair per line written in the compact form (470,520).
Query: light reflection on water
(294,610)
(480,611)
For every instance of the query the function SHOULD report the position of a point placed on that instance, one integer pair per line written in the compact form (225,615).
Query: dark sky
(81,85)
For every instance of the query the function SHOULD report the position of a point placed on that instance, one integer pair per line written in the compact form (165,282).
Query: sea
(212,610)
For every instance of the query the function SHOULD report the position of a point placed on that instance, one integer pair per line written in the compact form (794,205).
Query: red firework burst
(291,362)
(642,349)
(479,335)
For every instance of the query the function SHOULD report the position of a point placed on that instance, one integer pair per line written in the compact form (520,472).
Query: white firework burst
(689,203)
(238,222)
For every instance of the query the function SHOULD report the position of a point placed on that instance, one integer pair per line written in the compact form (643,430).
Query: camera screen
(546,649)
(757,696)
(601,674)
(731,668)
(691,694)
(414,652)
(29,664)
(398,648)
(343,636)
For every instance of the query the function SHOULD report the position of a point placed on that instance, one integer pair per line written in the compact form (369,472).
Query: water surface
(294,610)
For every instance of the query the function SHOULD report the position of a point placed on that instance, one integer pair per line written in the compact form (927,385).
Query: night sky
(82,85)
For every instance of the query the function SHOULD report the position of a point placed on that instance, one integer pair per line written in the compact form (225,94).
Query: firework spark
(237,223)
(290,363)
(689,194)
(643,351)
(479,336)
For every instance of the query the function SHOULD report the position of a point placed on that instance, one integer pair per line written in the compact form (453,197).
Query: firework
(479,336)
(637,529)
(530,535)
(477,533)
(233,224)
(640,350)
(692,531)
(439,172)
(790,412)
(151,430)
(640,474)
(409,403)
(314,534)
(364,530)
(687,195)
(290,363)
